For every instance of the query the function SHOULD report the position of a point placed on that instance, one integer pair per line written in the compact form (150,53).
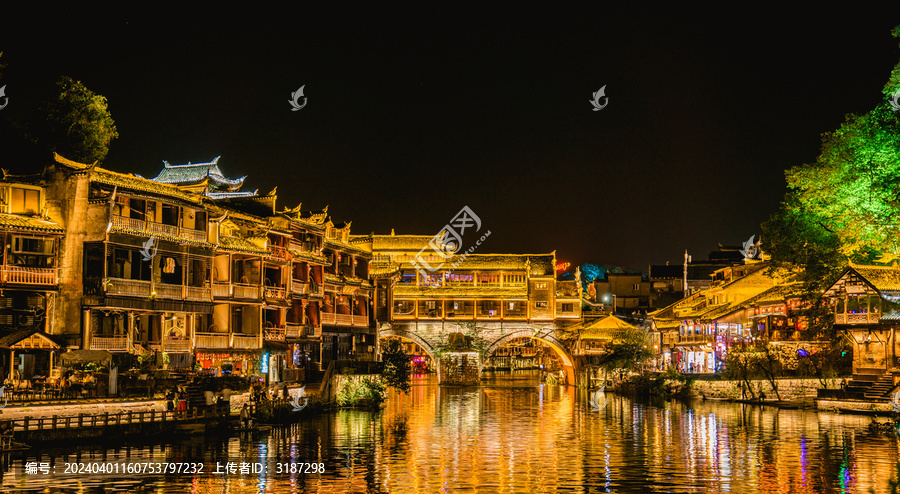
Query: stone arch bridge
(430,336)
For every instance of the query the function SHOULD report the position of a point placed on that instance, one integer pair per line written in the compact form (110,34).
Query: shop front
(247,363)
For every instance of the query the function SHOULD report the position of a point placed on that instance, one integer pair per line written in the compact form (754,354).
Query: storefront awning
(28,339)
(276,346)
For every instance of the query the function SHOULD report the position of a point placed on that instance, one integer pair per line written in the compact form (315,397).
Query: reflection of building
(867,308)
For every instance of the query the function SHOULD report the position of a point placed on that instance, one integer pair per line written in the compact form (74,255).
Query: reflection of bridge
(429,336)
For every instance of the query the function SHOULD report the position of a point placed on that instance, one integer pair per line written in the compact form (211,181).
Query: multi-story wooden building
(28,278)
(188,265)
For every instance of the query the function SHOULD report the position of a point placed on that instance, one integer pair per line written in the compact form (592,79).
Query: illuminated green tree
(73,121)
(396,365)
(843,207)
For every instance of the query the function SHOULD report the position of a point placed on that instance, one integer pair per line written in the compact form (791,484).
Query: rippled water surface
(510,435)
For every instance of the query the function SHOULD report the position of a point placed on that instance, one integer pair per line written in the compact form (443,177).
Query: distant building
(629,291)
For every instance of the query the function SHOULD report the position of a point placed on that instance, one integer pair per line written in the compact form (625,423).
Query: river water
(509,435)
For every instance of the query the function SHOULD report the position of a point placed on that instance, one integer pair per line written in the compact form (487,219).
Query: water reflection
(514,435)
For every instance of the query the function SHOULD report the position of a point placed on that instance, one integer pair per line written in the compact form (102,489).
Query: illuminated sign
(562,266)
(264,368)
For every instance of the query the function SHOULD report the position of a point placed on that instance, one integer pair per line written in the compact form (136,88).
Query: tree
(843,207)
(74,122)
(396,365)
(628,352)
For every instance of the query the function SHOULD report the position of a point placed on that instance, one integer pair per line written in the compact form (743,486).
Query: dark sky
(407,121)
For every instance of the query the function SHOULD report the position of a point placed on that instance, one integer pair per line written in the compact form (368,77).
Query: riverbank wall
(788,389)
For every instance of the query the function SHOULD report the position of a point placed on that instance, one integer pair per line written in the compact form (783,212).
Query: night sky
(408,121)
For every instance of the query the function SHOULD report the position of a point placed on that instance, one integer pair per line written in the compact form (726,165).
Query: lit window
(25,201)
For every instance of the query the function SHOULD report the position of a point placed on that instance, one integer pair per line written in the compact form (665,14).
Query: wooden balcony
(20,275)
(250,292)
(278,253)
(328,318)
(111,343)
(292,330)
(245,341)
(162,229)
(360,321)
(276,334)
(159,228)
(202,293)
(132,288)
(866,318)
(212,340)
(343,319)
(221,289)
(299,287)
(178,346)
(275,292)
(696,339)
(166,291)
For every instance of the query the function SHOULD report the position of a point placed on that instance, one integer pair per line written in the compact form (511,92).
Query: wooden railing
(160,228)
(111,343)
(299,287)
(343,319)
(328,318)
(221,289)
(277,334)
(695,338)
(199,293)
(119,286)
(362,321)
(108,419)
(245,341)
(29,276)
(164,290)
(274,292)
(292,330)
(867,318)
(178,346)
(277,252)
(246,291)
(211,340)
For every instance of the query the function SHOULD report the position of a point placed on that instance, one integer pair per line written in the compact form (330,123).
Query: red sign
(562,266)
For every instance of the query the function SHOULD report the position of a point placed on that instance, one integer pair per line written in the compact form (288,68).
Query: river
(509,435)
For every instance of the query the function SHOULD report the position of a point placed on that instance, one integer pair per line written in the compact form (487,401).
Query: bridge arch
(409,335)
(546,336)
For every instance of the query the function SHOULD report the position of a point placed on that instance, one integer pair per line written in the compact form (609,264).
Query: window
(25,201)
(567,307)
(540,286)
(636,287)
(540,305)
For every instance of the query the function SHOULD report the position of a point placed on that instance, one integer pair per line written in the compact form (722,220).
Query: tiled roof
(132,182)
(883,278)
(538,264)
(608,328)
(237,244)
(308,256)
(163,236)
(197,172)
(338,244)
(17,222)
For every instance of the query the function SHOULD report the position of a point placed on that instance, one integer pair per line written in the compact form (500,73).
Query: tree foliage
(628,352)
(396,365)
(844,206)
(74,122)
